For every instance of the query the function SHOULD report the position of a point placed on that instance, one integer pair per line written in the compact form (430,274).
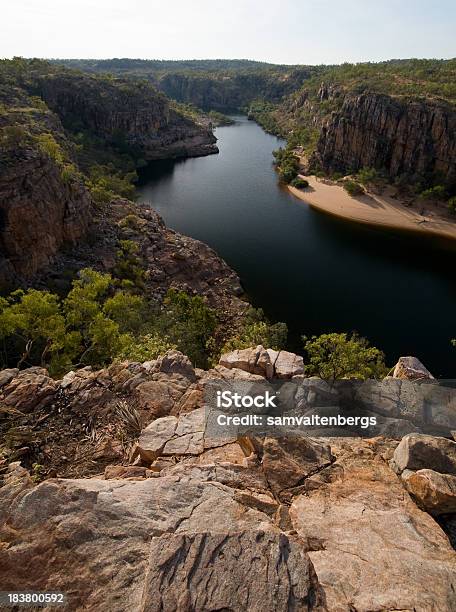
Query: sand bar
(371,209)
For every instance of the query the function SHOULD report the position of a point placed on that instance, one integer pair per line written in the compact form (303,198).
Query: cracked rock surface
(168,518)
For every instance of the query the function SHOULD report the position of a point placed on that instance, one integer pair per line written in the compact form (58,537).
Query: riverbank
(372,209)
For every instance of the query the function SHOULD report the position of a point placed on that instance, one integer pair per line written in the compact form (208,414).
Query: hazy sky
(282,31)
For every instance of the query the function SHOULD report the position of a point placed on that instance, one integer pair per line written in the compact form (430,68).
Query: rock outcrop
(413,138)
(418,451)
(45,206)
(134,112)
(427,466)
(411,368)
(39,212)
(127,511)
(265,362)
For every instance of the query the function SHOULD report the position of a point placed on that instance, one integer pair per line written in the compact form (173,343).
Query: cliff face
(134,112)
(230,92)
(44,203)
(39,212)
(415,138)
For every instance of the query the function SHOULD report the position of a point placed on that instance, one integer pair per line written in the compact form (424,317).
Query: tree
(129,266)
(353,188)
(189,324)
(333,356)
(367,175)
(299,183)
(257,330)
(34,322)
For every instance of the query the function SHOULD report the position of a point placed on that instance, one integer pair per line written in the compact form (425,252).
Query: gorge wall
(45,201)
(39,212)
(132,111)
(231,92)
(414,138)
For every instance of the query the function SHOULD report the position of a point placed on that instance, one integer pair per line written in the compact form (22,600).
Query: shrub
(333,356)
(452,205)
(256,329)
(336,176)
(188,323)
(129,265)
(287,164)
(299,183)
(367,175)
(438,192)
(48,144)
(353,188)
(145,348)
(69,173)
(14,135)
(97,323)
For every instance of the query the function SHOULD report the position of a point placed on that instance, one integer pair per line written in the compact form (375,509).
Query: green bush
(367,175)
(452,205)
(438,192)
(299,183)
(48,144)
(353,188)
(129,265)
(334,356)
(287,164)
(145,348)
(188,323)
(255,330)
(97,323)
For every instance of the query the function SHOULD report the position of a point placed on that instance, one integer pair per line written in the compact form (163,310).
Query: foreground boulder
(371,547)
(434,492)
(124,536)
(254,571)
(419,451)
(411,368)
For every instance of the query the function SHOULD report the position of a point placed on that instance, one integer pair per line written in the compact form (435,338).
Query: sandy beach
(371,209)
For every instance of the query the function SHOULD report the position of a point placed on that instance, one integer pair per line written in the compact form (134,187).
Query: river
(316,273)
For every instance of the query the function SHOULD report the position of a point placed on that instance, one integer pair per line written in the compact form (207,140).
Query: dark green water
(314,272)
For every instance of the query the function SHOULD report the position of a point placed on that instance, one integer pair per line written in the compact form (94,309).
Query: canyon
(112,489)
(45,205)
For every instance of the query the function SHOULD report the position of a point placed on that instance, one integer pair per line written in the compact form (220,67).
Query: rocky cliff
(413,138)
(39,212)
(45,202)
(133,112)
(131,505)
(232,91)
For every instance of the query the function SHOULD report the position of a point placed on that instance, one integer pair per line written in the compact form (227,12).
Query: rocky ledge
(159,516)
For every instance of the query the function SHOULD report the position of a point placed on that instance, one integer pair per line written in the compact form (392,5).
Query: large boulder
(27,390)
(175,362)
(288,365)
(110,544)
(434,492)
(287,462)
(264,362)
(419,451)
(173,436)
(255,572)
(411,368)
(371,546)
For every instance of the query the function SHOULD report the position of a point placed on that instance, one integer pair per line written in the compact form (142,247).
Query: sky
(279,31)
